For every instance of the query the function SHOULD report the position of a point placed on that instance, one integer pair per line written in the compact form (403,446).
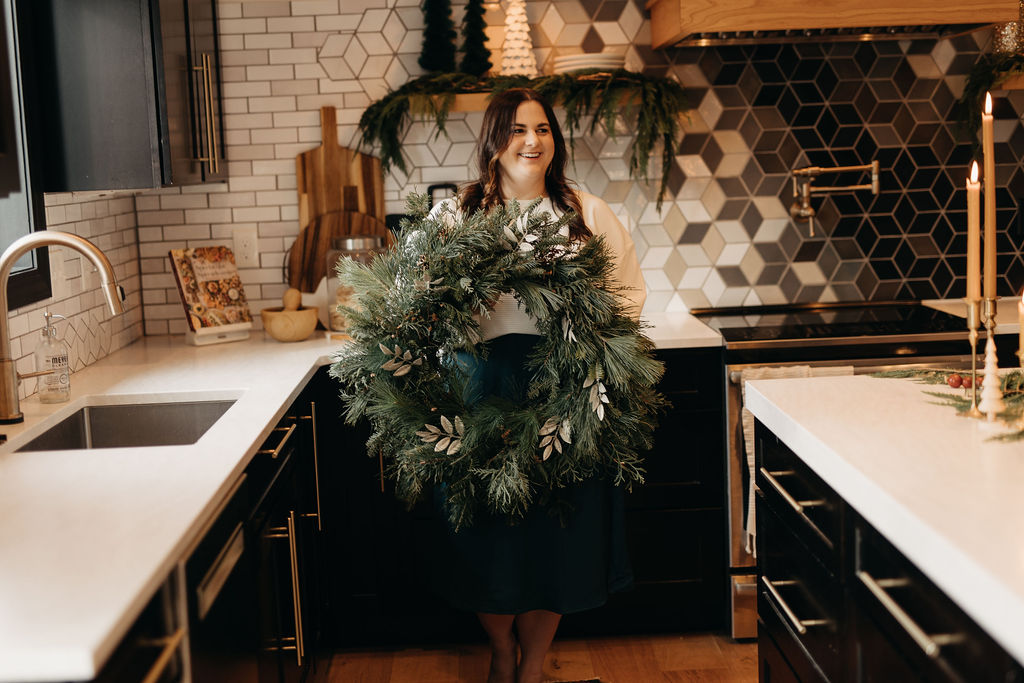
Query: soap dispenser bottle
(52,354)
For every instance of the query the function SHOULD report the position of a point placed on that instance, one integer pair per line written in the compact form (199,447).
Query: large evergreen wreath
(591,400)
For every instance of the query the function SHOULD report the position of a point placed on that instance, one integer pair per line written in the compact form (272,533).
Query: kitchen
(725,239)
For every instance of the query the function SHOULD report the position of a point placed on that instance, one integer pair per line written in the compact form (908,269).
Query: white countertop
(680,330)
(86,537)
(931,482)
(1007,315)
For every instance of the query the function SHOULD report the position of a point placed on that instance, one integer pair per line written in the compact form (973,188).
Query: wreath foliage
(591,402)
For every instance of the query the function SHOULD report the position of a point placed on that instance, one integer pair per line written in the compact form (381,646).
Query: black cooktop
(818,321)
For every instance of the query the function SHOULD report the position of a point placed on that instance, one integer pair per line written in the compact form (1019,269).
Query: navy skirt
(561,563)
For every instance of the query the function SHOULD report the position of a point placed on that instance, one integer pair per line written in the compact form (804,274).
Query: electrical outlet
(246,252)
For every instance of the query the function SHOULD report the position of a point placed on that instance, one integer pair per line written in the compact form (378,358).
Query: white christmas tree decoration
(991,394)
(517,57)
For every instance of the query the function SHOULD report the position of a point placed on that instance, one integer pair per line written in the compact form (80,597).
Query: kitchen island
(934,485)
(86,537)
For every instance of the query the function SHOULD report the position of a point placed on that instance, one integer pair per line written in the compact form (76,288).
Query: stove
(842,330)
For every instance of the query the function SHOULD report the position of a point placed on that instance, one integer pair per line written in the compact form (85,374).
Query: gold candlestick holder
(973,321)
(991,394)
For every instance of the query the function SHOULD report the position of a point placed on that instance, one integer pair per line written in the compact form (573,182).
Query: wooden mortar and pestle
(291,322)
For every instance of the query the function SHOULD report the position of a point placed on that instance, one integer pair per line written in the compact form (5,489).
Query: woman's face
(529,153)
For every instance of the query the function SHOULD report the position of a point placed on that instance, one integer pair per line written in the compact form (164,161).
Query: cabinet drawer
(802,500)
(694,379)
(802,593)
(914,622)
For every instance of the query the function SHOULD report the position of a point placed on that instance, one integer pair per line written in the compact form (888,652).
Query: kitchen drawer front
(804,598)
(694,379)
(915,621)
(805,503)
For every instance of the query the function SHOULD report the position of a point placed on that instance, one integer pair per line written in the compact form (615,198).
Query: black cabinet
(254,590)
(838,603)
(132,90)
(675,521)
(378,558)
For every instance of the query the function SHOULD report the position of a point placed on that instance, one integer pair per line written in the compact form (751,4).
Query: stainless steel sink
(127,425)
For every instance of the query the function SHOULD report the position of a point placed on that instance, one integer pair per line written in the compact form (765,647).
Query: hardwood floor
(691,658)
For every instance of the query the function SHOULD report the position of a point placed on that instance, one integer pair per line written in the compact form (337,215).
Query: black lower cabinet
(254,584)
(376,553)
(772,666)
(838,603)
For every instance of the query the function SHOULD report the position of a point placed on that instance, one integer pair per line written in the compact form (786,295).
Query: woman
(521,578)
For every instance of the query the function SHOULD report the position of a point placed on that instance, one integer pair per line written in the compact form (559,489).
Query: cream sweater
(507,317)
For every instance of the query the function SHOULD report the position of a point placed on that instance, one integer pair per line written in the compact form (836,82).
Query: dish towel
(747,418)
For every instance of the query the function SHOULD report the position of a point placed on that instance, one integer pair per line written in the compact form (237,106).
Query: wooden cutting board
(341,192)
(333,178)
(307,260)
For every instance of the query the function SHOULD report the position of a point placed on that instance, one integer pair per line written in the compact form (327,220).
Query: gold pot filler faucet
(801,211)
(10,411)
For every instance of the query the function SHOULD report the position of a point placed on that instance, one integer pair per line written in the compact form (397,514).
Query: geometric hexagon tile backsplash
(725,237)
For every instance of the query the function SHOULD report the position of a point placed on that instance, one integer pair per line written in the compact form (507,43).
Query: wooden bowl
(289,326)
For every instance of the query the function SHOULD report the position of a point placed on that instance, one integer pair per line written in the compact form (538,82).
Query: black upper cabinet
(133,93)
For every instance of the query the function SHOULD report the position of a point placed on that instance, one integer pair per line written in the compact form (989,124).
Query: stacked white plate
(603,61)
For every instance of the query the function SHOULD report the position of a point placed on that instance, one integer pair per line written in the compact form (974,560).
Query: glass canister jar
(361,248)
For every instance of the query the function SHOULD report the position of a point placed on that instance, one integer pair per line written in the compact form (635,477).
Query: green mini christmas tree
(438,54)
(476,58)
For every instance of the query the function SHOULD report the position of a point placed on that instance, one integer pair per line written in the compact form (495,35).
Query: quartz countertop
(86,537)
(932,483)
(1007,315)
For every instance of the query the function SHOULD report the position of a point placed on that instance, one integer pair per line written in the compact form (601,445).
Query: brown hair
(495,137)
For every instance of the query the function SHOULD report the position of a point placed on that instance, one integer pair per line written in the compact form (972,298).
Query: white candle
(990,199)
(973,236)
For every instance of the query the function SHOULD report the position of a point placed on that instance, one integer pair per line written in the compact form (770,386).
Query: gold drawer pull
(797,506)
(799,624)
(169,644)
(274,452)
(930,643)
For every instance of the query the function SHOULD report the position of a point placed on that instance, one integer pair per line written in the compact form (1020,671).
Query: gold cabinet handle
(799,624)
(797,505)
(210,118)
(316,468)
(296,597)
(288,532)
(211,157)
(930,643)
(274,452)
(169,644)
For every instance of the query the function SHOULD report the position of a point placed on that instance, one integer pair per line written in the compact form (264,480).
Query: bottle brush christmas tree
(518,59)
(438,54)
(476,58)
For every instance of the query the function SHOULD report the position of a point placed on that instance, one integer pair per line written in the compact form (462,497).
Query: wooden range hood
(684,21)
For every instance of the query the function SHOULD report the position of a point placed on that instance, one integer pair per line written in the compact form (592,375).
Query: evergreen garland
(988,73)
(591,400)
(438,53)
(476,58)
(650,106)
(1010,383)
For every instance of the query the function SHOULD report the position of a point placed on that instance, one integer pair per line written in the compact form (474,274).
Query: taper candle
(973,236)
(1020,334)
(987,146)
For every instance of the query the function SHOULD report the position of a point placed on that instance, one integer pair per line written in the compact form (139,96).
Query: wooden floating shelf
(1012,83)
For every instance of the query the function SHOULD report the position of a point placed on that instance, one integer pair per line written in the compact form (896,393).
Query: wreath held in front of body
(591,400)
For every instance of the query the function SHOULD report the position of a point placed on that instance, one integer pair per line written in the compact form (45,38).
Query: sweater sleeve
(601,220)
